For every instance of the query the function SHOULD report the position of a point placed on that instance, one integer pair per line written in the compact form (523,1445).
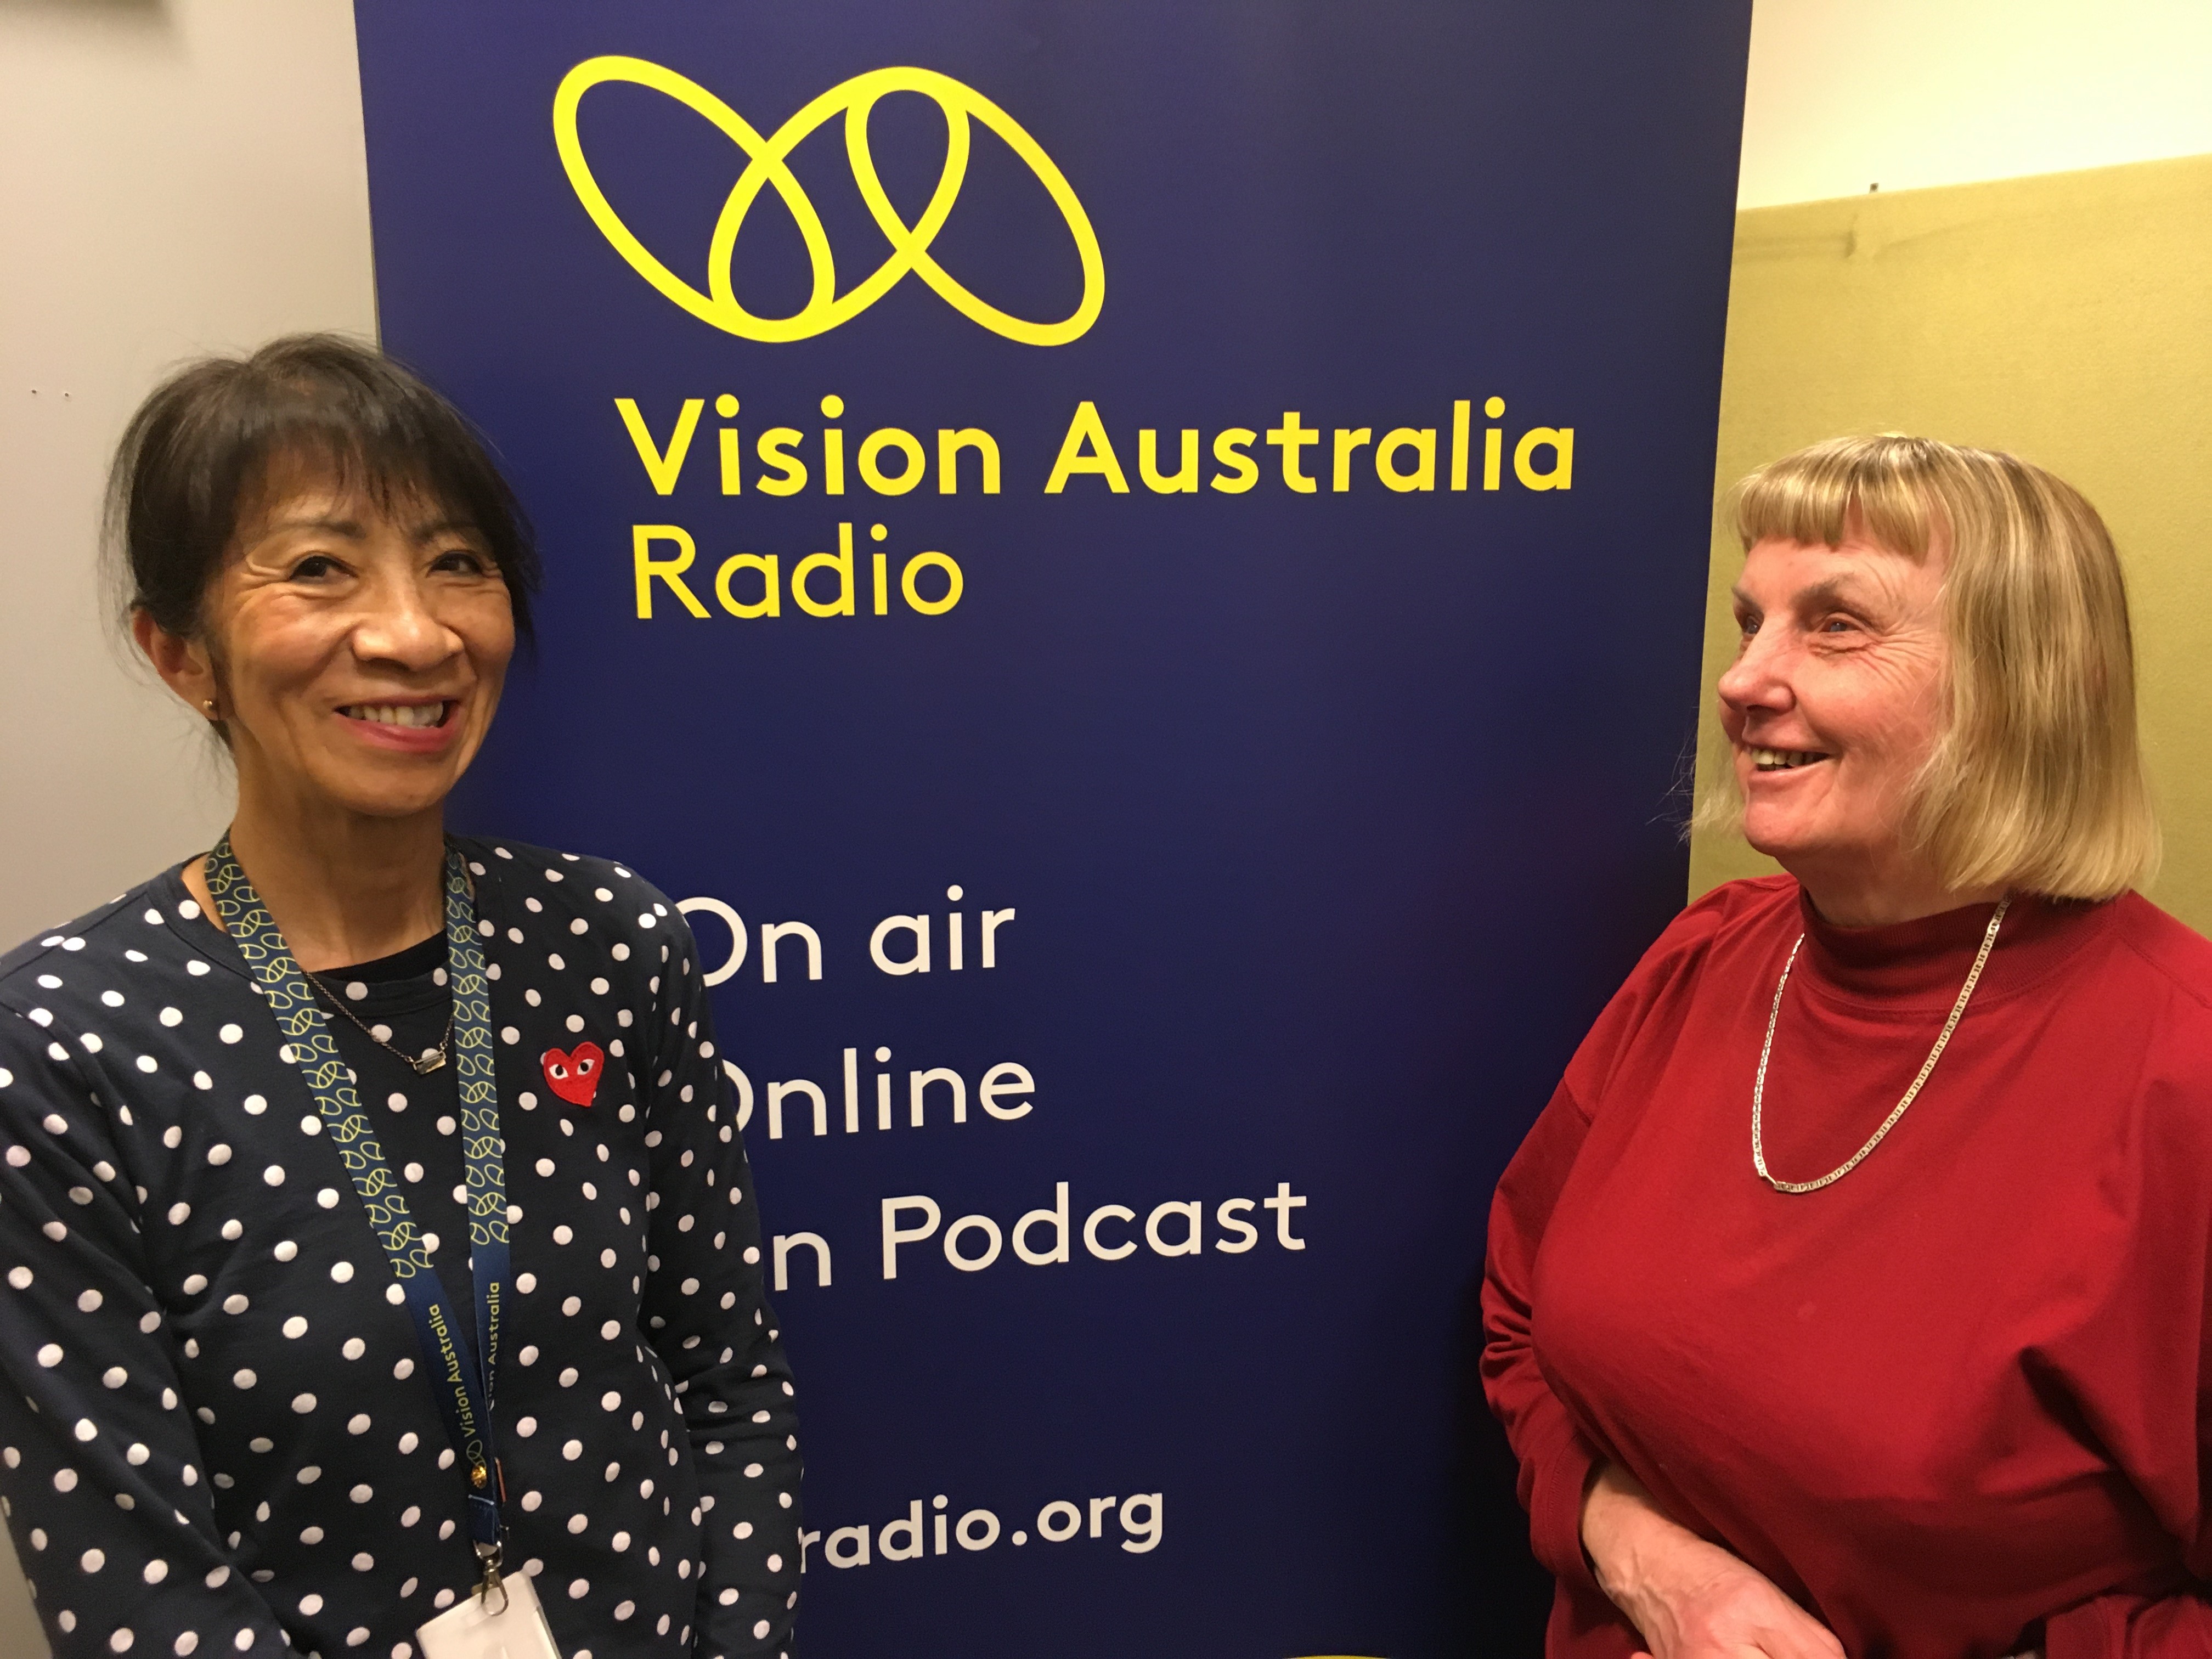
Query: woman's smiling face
(1835,701)
(356,649)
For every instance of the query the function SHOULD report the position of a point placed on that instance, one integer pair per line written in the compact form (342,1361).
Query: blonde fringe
(2037,783)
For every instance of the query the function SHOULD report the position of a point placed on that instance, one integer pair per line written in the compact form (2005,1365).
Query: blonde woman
(1850,1296)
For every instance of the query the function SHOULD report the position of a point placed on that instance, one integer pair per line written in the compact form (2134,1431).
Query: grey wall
(174,177)
(178,178)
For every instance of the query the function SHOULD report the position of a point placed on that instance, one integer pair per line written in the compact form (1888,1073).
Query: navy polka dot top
(214,1437)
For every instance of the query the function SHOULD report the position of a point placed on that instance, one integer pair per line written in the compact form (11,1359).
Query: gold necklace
(1758,1087)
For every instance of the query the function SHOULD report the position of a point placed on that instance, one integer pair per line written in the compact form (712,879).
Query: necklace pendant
(432,1061)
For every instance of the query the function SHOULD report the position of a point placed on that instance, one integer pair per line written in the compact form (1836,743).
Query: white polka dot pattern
(233,1457)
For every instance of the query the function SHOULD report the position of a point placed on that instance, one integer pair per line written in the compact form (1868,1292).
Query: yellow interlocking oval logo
(768,167)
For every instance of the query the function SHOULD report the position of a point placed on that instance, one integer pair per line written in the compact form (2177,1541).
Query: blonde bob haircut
(2036,783)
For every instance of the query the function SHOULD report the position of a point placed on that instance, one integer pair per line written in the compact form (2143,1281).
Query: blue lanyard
(459,1373)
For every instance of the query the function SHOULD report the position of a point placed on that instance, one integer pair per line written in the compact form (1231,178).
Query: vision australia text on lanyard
(460,1371)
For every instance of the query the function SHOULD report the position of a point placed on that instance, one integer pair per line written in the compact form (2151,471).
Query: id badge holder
(513,1629)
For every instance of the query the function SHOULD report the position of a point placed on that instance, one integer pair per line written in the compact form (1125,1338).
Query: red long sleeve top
(1954,1403)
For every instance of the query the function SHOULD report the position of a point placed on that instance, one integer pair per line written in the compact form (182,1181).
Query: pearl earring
(208,703)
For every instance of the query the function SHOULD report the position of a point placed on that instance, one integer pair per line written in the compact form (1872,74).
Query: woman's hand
(1689,1598)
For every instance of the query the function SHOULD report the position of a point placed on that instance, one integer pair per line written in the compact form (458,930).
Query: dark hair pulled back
(209,441)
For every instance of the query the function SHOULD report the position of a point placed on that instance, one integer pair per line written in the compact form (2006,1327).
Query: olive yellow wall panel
(2065,317)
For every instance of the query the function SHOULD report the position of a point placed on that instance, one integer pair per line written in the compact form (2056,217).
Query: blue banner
(1139,570)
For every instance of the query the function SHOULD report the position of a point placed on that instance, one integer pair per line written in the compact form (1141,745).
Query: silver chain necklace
(1758,1087)
(431,1060)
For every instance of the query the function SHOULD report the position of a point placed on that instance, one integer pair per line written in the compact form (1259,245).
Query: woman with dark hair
(383,1257)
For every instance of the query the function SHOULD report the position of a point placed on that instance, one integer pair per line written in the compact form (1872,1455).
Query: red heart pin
(574,1077)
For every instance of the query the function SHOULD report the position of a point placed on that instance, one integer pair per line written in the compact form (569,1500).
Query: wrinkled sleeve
(2155,1413)
(1556,1459)
(106,1498)
(706,1307)
(2132,1627)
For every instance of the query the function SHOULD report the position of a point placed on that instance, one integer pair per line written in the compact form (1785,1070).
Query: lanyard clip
(488,1555)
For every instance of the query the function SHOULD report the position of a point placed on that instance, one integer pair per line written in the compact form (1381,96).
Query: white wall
(1906,94)
(178,178)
